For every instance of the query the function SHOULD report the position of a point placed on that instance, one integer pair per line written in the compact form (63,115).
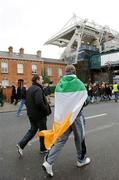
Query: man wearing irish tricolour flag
(70,97)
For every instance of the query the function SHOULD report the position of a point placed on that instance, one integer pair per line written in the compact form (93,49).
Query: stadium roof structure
(79,31)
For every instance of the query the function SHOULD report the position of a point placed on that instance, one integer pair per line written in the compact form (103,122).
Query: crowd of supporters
(99,92)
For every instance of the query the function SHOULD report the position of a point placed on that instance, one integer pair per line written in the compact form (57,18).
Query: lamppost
(42,68)
(109,71)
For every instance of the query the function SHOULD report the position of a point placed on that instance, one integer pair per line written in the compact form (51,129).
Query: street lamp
(109,70)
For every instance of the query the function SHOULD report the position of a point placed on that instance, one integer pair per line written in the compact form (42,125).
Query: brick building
(19,67)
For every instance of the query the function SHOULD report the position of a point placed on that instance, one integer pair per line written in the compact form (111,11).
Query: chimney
(39,53)
(21,51)
(10,49)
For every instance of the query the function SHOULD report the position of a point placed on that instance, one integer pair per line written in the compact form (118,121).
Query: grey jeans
(79,137)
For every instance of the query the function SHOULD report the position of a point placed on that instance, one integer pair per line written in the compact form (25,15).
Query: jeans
(22,103)
(116,96)
(79,137)
(35,126)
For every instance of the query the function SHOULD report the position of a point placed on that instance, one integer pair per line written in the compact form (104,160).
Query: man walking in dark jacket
(37,110)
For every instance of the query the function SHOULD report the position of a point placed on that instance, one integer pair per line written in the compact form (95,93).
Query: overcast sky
(30,23)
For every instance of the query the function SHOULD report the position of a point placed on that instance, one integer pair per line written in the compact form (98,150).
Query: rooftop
(29,57)
(91,30)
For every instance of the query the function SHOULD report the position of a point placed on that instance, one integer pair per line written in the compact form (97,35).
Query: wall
(13,76)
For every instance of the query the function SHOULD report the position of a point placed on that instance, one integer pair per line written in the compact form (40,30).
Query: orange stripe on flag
(51,136)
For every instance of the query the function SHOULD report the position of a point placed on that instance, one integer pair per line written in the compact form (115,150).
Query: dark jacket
(23,93)
(36,103)
(47,90)
(1,93)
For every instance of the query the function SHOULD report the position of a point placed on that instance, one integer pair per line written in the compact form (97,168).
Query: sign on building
(112,58)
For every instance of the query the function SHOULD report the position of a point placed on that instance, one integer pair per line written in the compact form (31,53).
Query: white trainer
(19,150)
(84,162)
(18,115)
(47,168)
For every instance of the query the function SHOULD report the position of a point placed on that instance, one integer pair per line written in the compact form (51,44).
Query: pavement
(13,108)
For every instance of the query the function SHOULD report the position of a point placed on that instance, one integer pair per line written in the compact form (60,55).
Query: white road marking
(35,139)
(95,116)
(87,132)
(102,128)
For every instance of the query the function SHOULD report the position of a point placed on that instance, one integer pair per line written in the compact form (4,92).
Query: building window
(59,72)
(20,68)
(4,67)
(5,83)
(49,71)
(34,68)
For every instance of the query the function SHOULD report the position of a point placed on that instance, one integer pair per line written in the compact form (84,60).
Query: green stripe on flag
(70,83)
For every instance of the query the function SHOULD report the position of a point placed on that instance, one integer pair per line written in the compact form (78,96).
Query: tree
(46,79)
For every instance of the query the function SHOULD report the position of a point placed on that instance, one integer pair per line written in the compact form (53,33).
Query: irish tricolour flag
(70,95)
